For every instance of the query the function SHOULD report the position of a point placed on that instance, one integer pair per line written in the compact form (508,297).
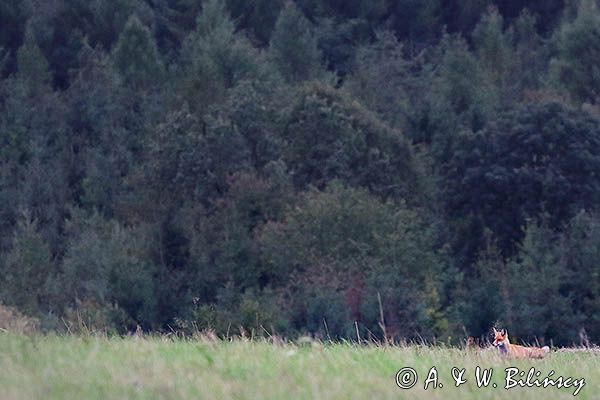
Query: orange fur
(512,350)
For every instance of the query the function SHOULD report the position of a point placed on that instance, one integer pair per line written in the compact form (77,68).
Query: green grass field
(55,367)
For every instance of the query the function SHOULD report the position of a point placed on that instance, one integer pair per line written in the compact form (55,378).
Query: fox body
(512,350)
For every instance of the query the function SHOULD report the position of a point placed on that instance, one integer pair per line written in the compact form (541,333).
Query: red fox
(512,350)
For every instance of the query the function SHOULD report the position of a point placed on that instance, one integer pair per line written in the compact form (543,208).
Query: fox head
(500,337)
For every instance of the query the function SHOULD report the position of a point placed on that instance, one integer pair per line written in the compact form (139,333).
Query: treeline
(291,167)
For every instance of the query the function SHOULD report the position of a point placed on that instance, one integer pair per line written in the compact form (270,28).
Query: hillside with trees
(295,167)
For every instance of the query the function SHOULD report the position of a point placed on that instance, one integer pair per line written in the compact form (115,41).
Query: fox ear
(503,332)
(495,331)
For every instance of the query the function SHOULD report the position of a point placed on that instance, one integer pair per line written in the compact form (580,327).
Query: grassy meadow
(92,367)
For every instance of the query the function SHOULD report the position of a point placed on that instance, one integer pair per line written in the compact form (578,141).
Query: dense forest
(419,169)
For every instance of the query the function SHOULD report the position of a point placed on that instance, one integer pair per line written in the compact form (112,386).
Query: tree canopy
(411,169)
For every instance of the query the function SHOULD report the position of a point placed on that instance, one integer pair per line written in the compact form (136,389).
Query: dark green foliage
(27,269)
(223,246)
(294,48)
(32,131)
(102,131)
(548,11)
(109,265)
(381,78)
(215,58)
(332,137)
(576,63)
(487,292)
(535,159)
(256,110)
(31,63)
(302,167)
(338,41)
(135,56)
(417,20)
(540,304)
(530,51)
(258,17)
(61,26)
(580,255)
(461,83)
(493,47)
(189,159)
(348,246)
(323,312)
(13,18)
(448,94)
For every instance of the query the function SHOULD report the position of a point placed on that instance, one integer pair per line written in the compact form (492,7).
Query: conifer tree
(294,46)
(31,64)
(256,16)
(531,53)
(581,254)
(380,78)
(541,305)
(417,21)
(27,268)
(575,67)
(493,46)
(135,56)
(215,58)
